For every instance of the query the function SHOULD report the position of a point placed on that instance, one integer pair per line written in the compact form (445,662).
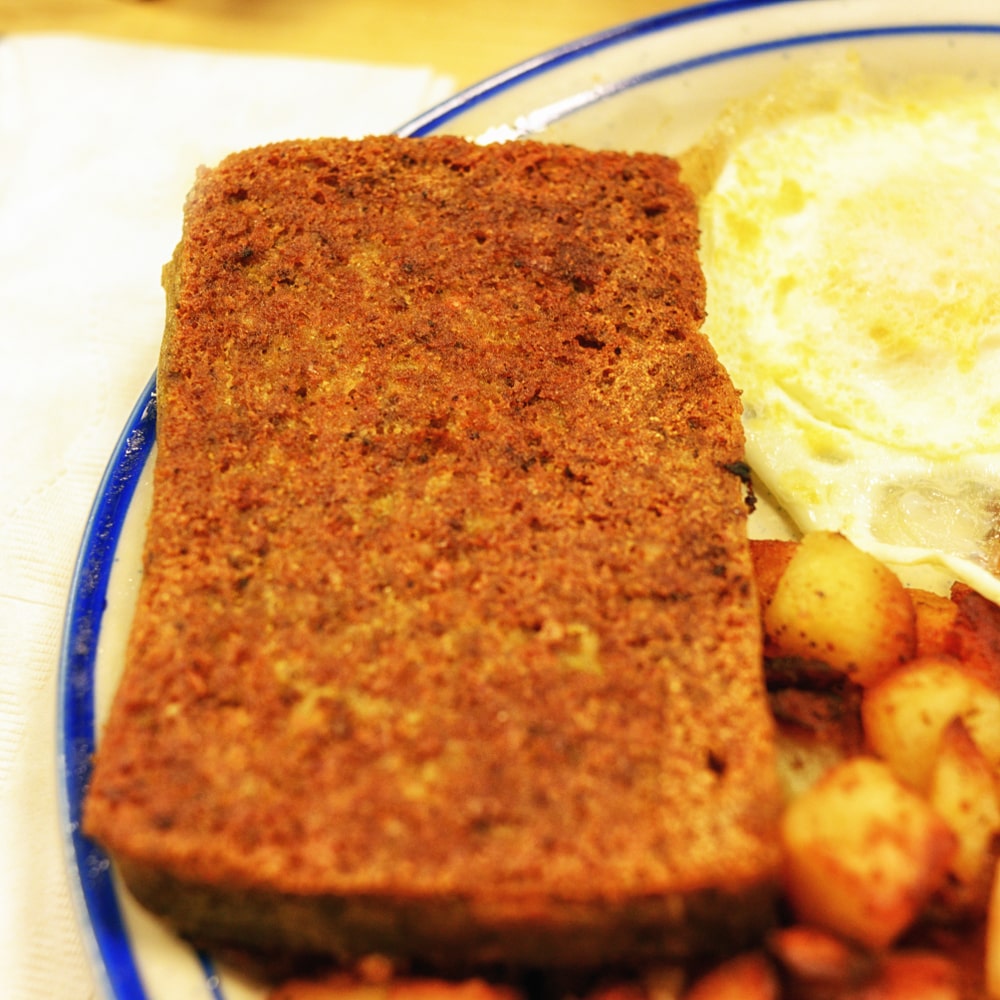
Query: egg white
(851,246)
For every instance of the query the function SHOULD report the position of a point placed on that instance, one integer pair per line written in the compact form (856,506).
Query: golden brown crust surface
(447,602)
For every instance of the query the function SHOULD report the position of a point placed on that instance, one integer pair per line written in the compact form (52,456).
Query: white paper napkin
(99,142)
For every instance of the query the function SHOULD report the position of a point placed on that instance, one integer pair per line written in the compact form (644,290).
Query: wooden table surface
(466,39)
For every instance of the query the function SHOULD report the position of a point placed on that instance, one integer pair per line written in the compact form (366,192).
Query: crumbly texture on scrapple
(447,643)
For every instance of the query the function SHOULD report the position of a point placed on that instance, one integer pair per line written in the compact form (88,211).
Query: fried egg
(851,247)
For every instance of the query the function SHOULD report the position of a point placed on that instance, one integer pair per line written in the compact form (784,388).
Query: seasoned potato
(746,977)
(625,990)
(818,965)
(992,944)
(838,604)
(906,714)
(863,853)
(974,637)
(342,986)
(935,616)
(963,793)
(914,975)
(816,729)
(815,960)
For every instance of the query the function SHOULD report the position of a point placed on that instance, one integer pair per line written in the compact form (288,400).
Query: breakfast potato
(863,853)
(912,975)
(746,977)
(935,617)
(974,637)
(815,730)
(626,990)
(991,971)
(818,965)
(906,714)
(343,986)
(664,982)
(840,605)
(963,793)
(814,960)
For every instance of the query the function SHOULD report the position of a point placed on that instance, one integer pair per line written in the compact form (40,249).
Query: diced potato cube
(863,853)
(818,964)
(664,982)
(935,616)
(992,943)
(963,793)
(816,729)
(974,637)
(745,977)
(814,959)
(344,986)
(622,990)
(914,975)
(801,763)
(906,714)
(838,604)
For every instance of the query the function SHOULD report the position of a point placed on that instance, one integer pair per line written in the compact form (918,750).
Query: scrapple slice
(447,644)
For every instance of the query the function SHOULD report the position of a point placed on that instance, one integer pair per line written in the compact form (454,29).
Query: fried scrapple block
(447,644)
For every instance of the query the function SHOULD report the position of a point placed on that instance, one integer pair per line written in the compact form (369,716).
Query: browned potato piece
(342,986)
(863,853)
(935,616)
(992,944)
(906,714)
(816,729)
(746,977)
(664,982)
(815,960)
(913,975)
(975,634)
(627,990)
(838,604)
(820,966)
(964,794)
(801,762)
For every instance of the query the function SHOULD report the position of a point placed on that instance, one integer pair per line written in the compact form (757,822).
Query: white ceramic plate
(654,85)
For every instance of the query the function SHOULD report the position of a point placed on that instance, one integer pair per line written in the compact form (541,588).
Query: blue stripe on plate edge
(88,598)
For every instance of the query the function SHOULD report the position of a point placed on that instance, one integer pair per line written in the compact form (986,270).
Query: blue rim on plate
(88,599)
(439,117)
(99,907)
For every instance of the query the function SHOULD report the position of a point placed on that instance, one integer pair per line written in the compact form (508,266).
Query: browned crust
(452,933)
(447,595)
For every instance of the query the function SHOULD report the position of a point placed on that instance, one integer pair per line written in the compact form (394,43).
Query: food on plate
(891,834)
(963,791)
(746,977)
(863,853)
(889,865)
(840,605)
(906,714)
(992,971)
(974,634)
(341,986)
(447,644)
(935,616)
(849,246)
(847,239)
(451,645)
